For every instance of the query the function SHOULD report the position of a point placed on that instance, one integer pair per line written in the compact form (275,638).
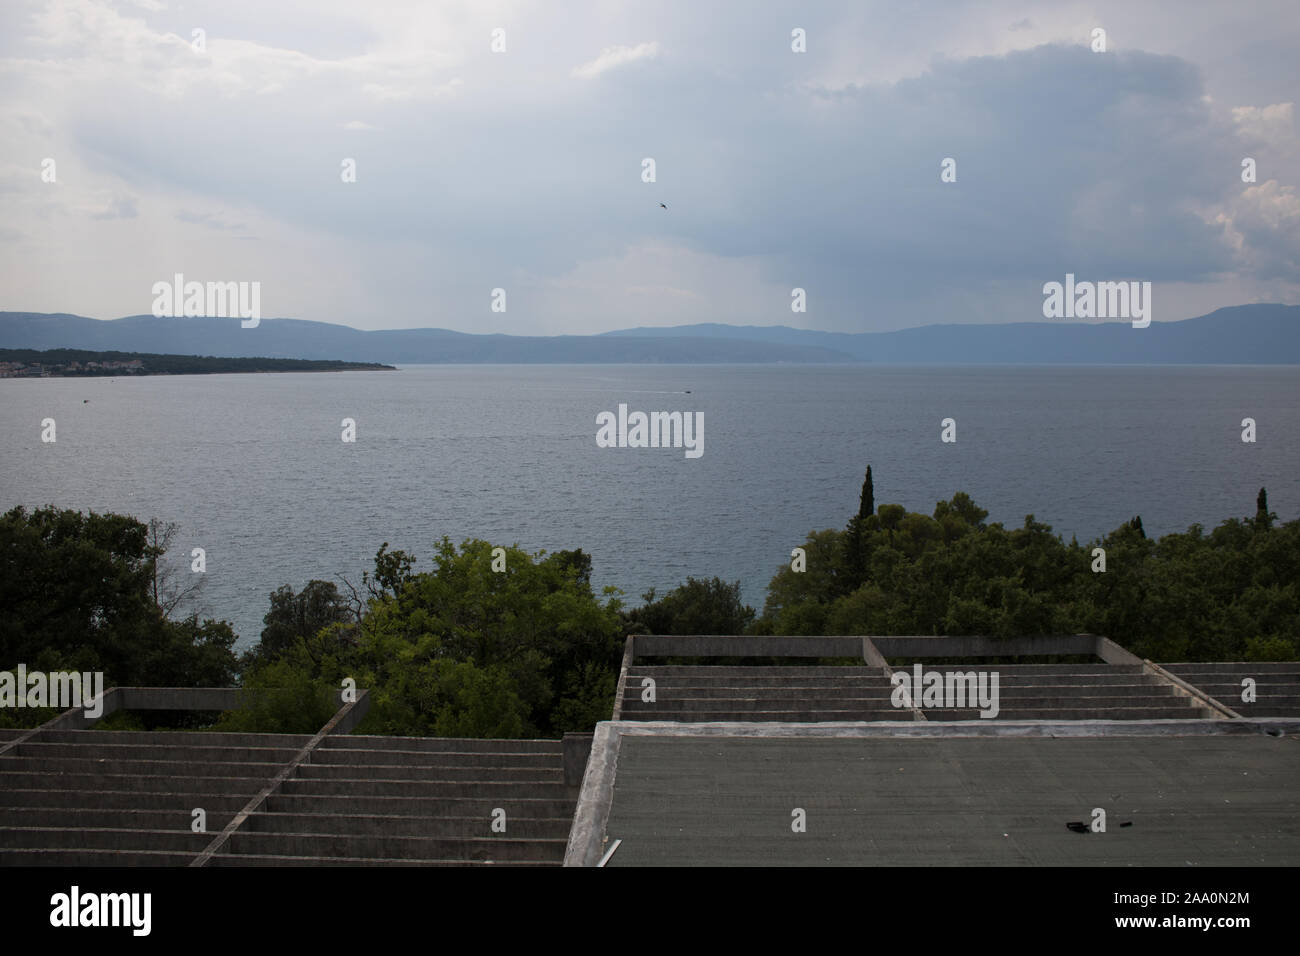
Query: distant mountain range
(1240,335)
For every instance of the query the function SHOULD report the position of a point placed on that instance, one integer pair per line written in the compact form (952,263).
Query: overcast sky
(522,169)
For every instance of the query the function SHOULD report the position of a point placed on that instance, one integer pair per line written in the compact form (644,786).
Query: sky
(221,156)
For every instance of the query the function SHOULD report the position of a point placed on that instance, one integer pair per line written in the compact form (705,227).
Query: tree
(392,572)
(861,524)
(1233,594)
(79,593)
(295,617)
(280,698)
(1263,518)
(168,592)
(696,607)
(462,650)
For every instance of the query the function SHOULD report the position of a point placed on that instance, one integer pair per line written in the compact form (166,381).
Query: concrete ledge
(1276,726)
(179,698)
(736,645)
(629,654)
(868,648)
(587,836)
(976,646)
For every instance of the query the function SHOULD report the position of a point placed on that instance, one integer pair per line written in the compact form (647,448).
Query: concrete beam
(1185,689)
(351,715)
(741,645)
(339,718)
(871,654)
(72,719)
(978,646)
(776,645)
(587,836)
(1274,726)
(1112,653)
(629,653)
(180,698)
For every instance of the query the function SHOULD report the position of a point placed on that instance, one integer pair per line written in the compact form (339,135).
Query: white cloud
(1263,224)
(616,56)
(518,175)
(1269,123)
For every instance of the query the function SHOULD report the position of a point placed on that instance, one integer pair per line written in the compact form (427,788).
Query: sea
(254,468)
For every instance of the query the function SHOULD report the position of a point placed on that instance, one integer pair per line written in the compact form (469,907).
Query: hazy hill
(1247,335)
(296,338)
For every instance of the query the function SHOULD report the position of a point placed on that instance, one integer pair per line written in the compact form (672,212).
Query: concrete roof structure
(713,764)
(768,764)
(71,796)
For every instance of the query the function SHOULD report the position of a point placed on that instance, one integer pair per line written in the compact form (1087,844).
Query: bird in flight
(662,206)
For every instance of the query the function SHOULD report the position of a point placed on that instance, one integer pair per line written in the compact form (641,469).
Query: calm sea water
(253,469)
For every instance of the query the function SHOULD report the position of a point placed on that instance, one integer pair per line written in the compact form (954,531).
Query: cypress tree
(1263,520)
(867,502)
(853,538)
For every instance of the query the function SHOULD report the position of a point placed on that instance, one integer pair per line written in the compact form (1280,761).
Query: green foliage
(121,720)
(78,593)
(465,651)
(1263,517)
(462,650)
(295,617)
(1231,595)
(22,718)
(696,607)
(279,698)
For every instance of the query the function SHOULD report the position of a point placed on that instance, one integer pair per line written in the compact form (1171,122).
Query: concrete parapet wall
(976,646)
(736,645)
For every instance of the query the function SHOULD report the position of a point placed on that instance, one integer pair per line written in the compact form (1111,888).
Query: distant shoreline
(85,363)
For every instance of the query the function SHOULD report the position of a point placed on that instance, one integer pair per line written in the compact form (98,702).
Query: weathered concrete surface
(1276,685)
(355,801)
(974,646)
(735,645)
(629,655)
(285,770)
(586,846)
(577,747)
(781,645)
(122,798)
(865,693)
(1215,798)
(1112,653)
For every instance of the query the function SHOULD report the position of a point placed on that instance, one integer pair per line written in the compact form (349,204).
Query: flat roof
(1195,795)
